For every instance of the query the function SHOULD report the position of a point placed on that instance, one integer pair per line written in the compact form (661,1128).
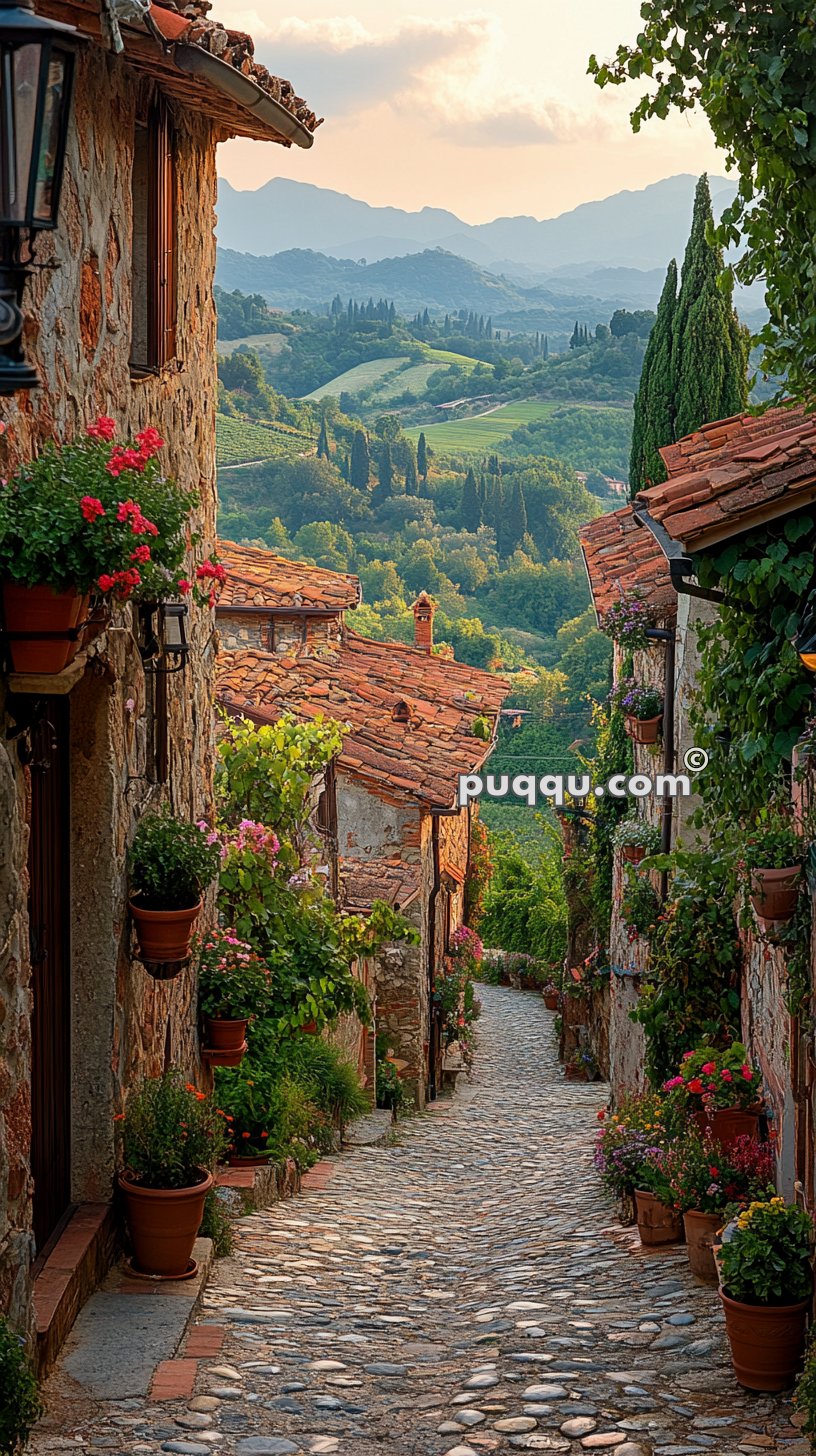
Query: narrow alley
(463,1290)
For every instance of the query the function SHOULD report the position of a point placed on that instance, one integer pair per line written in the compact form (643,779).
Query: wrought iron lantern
(164,641)
(36,79)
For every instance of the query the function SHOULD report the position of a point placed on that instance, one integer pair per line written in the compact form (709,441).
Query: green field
(483,432)
(360,377)
(272,343)
(239,441)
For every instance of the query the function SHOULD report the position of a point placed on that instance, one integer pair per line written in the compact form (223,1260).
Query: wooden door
(49,930)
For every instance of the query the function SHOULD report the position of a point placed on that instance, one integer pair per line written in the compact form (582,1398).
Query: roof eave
(244,91)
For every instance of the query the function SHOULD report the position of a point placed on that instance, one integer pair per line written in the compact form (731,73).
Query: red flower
(91,507)
(708,1069)
(102,429)
(142,553)
(695,1085)
(747,1072)
(106,583)
(150,441)
(125,458)
(726,1075)
(184,586)
(601,1115)
(715,1172)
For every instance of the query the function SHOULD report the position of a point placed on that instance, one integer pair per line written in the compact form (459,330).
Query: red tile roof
(364,880)
(734,474)
(360,682)
(622,556)
(259,578)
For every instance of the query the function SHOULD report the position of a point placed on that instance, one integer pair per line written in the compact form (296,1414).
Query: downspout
(432,904)
(662,634)
(681,566)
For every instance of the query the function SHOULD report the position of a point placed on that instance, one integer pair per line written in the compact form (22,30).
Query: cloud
(446,73)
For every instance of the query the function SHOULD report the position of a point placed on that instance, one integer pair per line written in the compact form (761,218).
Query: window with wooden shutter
(154,270)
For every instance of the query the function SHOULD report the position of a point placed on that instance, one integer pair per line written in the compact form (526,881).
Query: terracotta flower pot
(248,1160)
(643,730)
(656,1223)
(575,1074)
(767,1342)
(700,1229)
(634,853)
(727,1124)
(551,1000)
(163,1224)
(774,893)
(164,935)
(40,611)
(225,1036)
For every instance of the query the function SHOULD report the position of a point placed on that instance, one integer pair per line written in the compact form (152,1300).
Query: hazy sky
(484,111)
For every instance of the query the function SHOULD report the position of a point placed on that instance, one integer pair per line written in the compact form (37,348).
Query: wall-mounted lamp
(164,641)
(36,80)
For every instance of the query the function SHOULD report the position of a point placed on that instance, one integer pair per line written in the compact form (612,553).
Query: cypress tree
(653,424)
(411,477)
(709,347)
(360,468)
(515,523)
(422,455)
(546,347)
(384,488)
(494,513)
(323,450)
(471,505)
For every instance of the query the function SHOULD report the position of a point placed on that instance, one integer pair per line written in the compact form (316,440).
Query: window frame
(155,295)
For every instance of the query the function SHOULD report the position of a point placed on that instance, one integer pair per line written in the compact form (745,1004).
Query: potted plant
(234,986)
(172,1140)
(720,1089)
(93,519)
(657,1219)
(552,995)
(767,1284)
(642,708)
(773,853)
(20,1407)
(625,1139)
(171,864)
(582,1066)
(704,1178)
(635,838)
(628,621)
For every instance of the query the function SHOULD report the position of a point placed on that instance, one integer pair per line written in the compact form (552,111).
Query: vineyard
(239,441)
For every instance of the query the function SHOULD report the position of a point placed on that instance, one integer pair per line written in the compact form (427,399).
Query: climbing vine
(613,755)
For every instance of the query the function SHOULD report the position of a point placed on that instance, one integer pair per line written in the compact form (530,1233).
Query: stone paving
(465,1290)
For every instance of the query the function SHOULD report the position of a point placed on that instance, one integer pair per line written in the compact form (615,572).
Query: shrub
(20,1405)
(772,842)
(170,1132)
(766,1254)
(171,862)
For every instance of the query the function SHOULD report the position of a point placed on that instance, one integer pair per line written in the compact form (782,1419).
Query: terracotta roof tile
(363,881)
(622,556)
(259,578)
(733,474)
(364,682)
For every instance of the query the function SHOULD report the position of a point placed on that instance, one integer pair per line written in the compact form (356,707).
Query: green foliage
(524,905)
(804,1396)
(360,462)
(241,314)
(171,862)
(705,1176)
(233,982)
(690,996)
(710,1077)
(217,1225)
(753,76)
(634,831)
(753,693)
(266,773)
(640,904)
(365,935)
(471,504)
(513,528)
(240,440)
(653,423)
(170,1132)
(20,1405)
(613,755)
(765,1260)
(772,841)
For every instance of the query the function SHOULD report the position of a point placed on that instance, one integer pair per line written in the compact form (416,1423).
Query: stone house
(724,481)
(392,800)
(120,321)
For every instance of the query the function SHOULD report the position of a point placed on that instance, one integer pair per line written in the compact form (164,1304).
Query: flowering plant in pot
(657,1219)
(636,838)
(93,519)
(171,864)
(704,1178)
(720,1089)
(627,622)
(772,853)
(766,1289)
(172,1139)
(234,986)
(626,1137)
(642,708)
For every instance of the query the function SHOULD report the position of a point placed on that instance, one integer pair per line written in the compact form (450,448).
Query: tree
(422,455)
(751,70)
(411,477)
(471,505)
(709,346)
(360,469)
(653,424)
(515,526)
(384,488)
(323,448)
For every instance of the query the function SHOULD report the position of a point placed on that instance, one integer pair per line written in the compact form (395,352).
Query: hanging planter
(774,893)
(171,863)
(726,1124)
(635,838)
(644,730)
(774,853)
(234,986)
(43,627)
(642,708)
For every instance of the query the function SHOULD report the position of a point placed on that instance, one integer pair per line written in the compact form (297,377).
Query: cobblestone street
(462,1291)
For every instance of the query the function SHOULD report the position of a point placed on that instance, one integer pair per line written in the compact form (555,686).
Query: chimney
(423,610)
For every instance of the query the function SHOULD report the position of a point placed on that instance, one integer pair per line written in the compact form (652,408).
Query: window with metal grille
(153,273)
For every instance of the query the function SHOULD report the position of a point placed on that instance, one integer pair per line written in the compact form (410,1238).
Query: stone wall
(78,334)
(268,632)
